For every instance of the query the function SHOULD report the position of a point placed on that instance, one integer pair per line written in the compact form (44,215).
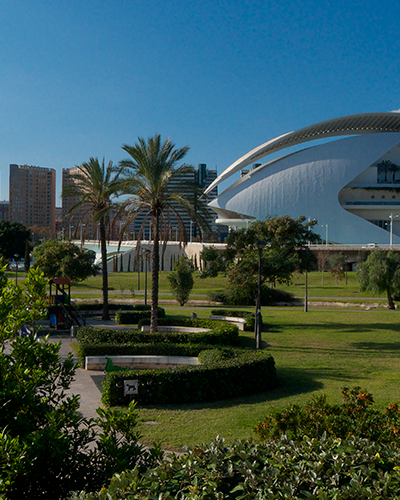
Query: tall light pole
(391,228)
(82,226)
(191,230)
(326,233)
(306,294)
(146,254)
(16,267)
(260,245)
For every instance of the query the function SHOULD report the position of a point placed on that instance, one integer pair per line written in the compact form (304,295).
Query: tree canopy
(380,273)
(13,237)
(284,242)
(181,280)
(58,259)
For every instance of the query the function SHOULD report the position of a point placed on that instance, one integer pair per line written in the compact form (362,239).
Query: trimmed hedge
(134,316)
(142,349)
(237,313)
(98,306)
(248,373)
(98,341)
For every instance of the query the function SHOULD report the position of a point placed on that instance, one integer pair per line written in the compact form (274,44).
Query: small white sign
(131,387)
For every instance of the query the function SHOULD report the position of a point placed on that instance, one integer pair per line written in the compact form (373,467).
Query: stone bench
(179,329)
(239,322)
(143,361)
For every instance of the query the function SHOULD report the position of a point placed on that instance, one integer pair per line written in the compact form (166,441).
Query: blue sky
(81,78)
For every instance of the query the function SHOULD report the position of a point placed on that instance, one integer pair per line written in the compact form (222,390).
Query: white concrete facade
(351,185)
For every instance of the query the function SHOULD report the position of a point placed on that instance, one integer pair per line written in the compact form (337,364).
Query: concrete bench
(179,329)
(239,322)
(142,361)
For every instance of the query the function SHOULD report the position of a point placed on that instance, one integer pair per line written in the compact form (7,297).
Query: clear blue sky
(81,78)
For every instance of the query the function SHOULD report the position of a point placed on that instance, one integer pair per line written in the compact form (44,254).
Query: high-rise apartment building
(76,223)
(200,178)
(33,195)
(4,210)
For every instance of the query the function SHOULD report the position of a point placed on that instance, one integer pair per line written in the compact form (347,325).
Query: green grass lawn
(315,352)
(122,282)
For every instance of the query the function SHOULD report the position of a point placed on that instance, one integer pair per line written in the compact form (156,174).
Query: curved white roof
(365,123)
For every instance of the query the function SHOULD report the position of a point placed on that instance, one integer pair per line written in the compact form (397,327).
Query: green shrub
(237,313)
(247,373)
(354,417)
(85,306)
(154,349)
(326,469)
(212,356)
(269,296)
(134,316)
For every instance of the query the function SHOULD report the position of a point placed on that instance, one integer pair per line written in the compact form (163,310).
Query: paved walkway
(86,383)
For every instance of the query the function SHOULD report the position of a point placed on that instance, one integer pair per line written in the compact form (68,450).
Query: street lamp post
(391,228)
(82,226)
(260,245)
(16,268)
(306,294)
(326,233)
(139,262)
(191,231)
(146,254)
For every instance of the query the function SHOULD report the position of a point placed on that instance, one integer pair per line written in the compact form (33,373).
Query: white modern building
(350,184)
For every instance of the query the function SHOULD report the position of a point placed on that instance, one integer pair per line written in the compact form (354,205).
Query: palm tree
(157,192)
(95,185)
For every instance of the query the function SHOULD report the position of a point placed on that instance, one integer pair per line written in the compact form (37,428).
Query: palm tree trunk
(154,276)
(103,244)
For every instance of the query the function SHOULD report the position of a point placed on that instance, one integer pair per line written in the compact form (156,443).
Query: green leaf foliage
(284,250)
(13,238)
(381,273)
(248,372)
(318,469)
(58,259)
(181,280)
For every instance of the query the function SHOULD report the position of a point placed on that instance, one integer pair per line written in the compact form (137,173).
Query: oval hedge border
(248,372)
(98,341)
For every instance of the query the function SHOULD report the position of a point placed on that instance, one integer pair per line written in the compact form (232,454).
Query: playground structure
(62,312)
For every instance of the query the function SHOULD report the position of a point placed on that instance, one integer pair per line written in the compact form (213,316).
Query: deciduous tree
(285,249)
(380,273)
(58,259)
(181,280)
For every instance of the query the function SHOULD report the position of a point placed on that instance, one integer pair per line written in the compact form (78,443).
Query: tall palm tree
(96,186)
(153,181)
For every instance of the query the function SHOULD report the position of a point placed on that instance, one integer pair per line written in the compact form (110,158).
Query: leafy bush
(354,417)
(181,280)
(237,313)
(88,337)
(325,469)
(247,373)
(212,356)
(154,349)
(134,316)
(269,296)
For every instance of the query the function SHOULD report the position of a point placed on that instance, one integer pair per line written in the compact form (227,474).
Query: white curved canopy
(365,123)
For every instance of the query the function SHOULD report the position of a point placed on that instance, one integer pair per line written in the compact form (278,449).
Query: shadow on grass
(291,382)
(339,327)
(377,346)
